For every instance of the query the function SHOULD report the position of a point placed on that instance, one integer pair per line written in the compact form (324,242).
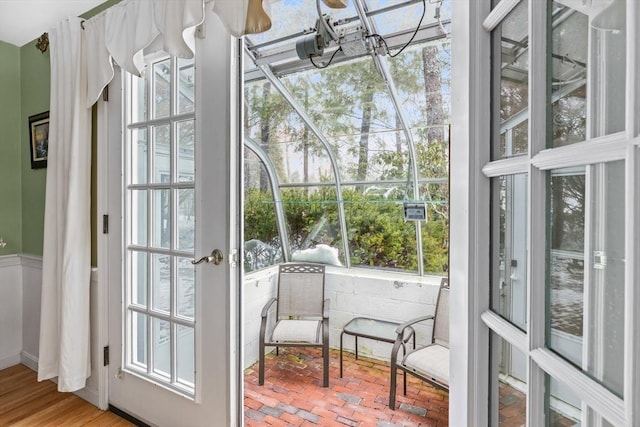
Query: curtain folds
(66,269)
(129,29)
(81,66)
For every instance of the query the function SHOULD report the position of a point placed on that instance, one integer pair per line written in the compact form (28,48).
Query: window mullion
(538,30)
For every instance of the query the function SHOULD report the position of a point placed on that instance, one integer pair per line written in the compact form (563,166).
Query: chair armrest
(265,309)
(326,308)
(400,338)
(400,329)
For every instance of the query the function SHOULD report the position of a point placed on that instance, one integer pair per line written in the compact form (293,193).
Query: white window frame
(471,171)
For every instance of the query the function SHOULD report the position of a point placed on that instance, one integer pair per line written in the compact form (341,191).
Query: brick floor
(293,394)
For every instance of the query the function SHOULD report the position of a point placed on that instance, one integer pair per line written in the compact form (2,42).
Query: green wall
(10,149)
(34,93)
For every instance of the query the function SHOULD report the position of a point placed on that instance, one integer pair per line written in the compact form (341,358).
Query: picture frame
(39,139)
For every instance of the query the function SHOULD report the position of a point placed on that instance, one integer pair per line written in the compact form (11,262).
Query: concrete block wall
(392,296)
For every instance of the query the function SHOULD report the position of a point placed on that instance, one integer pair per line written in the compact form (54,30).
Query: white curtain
(81,66)
(66,269)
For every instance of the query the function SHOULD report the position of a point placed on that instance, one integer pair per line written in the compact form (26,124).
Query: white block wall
(353,293)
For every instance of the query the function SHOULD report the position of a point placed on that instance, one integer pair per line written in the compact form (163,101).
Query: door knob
(215,257)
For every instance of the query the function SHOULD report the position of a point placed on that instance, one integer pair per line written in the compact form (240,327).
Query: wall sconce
(257,19)
(43,43)
(2,243)
(336,4)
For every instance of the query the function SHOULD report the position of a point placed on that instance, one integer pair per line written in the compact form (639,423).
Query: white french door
(173,199)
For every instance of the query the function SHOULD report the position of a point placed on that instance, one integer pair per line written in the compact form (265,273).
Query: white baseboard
(29,360)
(89,395)
(7,361)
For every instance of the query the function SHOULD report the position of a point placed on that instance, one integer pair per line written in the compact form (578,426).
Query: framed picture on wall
(39,139)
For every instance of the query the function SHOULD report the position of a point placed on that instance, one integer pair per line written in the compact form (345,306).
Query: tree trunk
(365,127)
(433,93)
(264,133)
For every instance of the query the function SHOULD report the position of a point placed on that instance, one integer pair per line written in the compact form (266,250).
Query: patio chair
(430,363)
(301,317)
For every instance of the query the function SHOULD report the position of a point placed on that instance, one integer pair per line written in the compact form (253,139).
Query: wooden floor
(26,402)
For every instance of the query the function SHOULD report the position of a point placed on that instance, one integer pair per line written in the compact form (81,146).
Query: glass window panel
(572,57)
(435,231)
(262,246)
(139,160)
(349,100)
(586,293)
(408,17)
(186,219)
(186,86)
(509,248)
(161,282)
(161,347)
(139,217)
(422,75)
(161,154)
(185,356)
(378,234)
(186,291)
(312,219)
(511,69)
(161,89)
(161,225)
(564,409)
(566,257)
(568,75)
(186,150)
(139,278)
(432,151)
(138,339)
(508,384)
(138,99)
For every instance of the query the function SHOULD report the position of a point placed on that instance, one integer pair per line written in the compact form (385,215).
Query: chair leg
(392,387)
(325,368)
(261,366)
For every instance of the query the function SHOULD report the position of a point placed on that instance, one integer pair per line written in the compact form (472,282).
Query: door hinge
(599,260)
(105,94)
(105,355)
(105,224)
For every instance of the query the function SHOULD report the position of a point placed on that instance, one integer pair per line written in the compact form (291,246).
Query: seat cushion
(431,361)
(293,331)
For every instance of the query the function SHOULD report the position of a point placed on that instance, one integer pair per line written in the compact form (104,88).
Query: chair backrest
(441,318)
(300,290)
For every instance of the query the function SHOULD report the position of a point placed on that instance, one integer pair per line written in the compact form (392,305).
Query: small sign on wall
(415,211)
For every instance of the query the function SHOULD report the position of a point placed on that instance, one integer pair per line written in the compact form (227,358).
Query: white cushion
(431,361)
(297,331)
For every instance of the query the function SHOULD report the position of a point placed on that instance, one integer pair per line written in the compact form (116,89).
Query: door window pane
(564,409)
(161,347)
(161,154)
(508,384)
(139,339)
(511,69)
(161,282)
(586,290)
(186,292)
(185,357)
(139,217)
(139,159)
(509,248)
(572,59)
(186,83)
(139,278)
(161,89)
(161,225)
(186,138)
(186,219)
